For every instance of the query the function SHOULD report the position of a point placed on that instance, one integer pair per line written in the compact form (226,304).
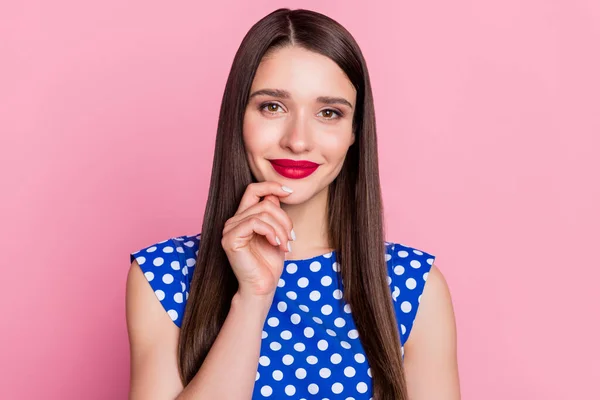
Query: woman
(290,291)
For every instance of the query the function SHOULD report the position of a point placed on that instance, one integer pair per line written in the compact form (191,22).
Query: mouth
(294,169)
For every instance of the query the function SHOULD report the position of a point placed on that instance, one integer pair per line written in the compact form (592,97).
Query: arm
(154,341)
(430,359)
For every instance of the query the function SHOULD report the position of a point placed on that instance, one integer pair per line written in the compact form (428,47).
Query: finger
(273,199)
(249,227)
(255,191)
(268,218)
(267,205)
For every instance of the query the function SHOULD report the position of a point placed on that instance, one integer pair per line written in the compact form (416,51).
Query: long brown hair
(355,208)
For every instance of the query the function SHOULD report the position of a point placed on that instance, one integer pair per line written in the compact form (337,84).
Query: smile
(294,169)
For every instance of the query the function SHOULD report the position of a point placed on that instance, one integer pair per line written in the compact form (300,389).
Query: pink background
(489,123)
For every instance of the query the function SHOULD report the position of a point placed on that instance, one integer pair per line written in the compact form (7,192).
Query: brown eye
(331,114)
(271,108)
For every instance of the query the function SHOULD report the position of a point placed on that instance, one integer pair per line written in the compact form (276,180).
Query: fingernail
(293,235)
(287,189)
(277,240)
(289,246)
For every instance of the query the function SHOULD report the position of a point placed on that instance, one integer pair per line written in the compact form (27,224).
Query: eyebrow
(284,94)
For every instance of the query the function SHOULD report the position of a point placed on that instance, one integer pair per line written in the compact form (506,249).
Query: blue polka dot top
(310,347)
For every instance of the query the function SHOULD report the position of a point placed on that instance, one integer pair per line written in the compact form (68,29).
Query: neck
(310,226)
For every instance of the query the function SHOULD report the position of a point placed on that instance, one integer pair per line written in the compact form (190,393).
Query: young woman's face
(301,107)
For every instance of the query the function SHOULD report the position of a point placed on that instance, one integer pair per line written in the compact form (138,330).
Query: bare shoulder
(153,341)
(431,350)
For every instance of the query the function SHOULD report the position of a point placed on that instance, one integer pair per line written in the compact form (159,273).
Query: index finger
(255,191)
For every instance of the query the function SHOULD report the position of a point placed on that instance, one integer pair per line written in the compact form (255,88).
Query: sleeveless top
(310,346)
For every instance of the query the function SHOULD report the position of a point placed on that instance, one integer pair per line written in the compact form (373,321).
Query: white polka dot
(190,262)
(187,294)
(264,361)
(403,328)
(178,297)
(160,294)
(264,334)
(315,266)
(292,268)
(302,282)
(292,295)
(281,283)
(275,346)
(430,261)
(337,294)
(406,306)
(403,254)
(396,293)
(266,391)
(345,344)
(295,318)
(257,376)
(326,281)
(411,283)
(336,266)
(387,257)
(361,387)
(347,309)
(290,390)
(337,388)
(173,314)
(325,372)
(299,346)
(309,332)
(330,332)
(175,265)
(419,299)
(184,270)
(286,335)
(182,286)
(312,360)
(369,372)
(349,372)
(149,276)
(339,322)
(300,373)
(415,264)
(360,358)
(167,278)
(417,252)
(303,308)
(326,309)
(389,280)
(158,261)
(277,375)
(180,250)
(273,321)
(322,345)
(314,295)
(425,276)
(335,358)
(151,249)
(353,334)
(313,388)
(328,255)
(282,306)
(141,260)
(398,269)
(318,320)
(189,243)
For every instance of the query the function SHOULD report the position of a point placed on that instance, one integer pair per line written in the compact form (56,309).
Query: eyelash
(338,113)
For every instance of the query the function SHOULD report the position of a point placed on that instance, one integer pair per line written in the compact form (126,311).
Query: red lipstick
(294,169)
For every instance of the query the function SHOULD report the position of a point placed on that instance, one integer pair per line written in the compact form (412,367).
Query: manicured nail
(293,235)
(289,246)
(287,189)
(277,240)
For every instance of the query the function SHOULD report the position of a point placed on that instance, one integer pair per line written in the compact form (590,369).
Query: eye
(330,112)
(271,107)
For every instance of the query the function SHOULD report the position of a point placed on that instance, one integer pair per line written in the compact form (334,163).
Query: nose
(297,137)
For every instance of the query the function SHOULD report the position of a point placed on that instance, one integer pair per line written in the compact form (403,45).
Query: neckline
(333,253)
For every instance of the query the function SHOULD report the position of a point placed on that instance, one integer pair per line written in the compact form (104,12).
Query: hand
(256,238)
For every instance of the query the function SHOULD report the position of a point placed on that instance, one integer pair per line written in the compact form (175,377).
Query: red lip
(294,169)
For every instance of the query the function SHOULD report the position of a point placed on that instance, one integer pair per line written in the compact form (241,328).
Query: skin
(301,128)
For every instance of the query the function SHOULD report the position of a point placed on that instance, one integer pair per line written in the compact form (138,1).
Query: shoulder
(168,267)
(409,271)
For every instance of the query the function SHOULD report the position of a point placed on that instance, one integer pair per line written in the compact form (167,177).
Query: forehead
(305,74)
